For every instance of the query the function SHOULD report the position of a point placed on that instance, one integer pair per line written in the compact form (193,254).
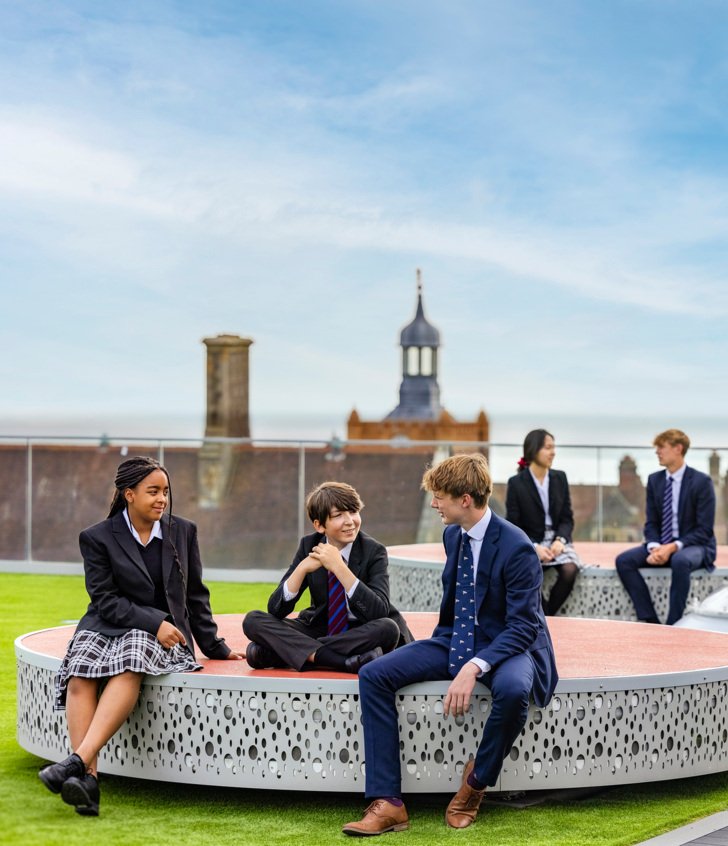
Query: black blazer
(525,510)
(122,592)
(368,562)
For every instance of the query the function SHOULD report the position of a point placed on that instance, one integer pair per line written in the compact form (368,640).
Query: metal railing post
(600,498)
(301,489)
(29,503)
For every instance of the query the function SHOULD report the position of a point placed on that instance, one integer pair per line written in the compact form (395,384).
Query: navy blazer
(368,561)
(508,601)
(695,511)
(525,509)
(122,591)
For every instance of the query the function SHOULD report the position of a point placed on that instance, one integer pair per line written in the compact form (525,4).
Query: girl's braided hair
(128,475)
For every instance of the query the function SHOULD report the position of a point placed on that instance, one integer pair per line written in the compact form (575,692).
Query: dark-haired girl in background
(144,578)
(538,501)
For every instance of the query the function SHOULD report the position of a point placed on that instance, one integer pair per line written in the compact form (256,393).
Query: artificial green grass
(135,811)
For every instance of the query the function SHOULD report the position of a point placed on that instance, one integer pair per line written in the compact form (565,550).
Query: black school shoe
(261,658)
(82,792)
(55,775)
(354,663)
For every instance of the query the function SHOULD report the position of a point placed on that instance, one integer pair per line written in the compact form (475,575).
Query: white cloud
(45,161)
(262,177)
(278,201)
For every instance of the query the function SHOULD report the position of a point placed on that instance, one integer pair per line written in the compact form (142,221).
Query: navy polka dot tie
(462,644)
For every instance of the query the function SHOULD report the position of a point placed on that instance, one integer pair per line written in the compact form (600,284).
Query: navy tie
(462,643)
(666,528)
(338,612)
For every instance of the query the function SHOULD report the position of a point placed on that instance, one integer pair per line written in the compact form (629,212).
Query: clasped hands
(549,553)
(325,555)
(661,554)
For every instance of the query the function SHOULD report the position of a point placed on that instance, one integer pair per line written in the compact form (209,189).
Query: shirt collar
(678,474)
(537,481)
(346,552)
(155,533)
(477,532)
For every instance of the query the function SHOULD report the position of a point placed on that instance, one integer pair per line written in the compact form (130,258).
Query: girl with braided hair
(144,579)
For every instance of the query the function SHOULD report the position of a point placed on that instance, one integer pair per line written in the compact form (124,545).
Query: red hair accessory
(522,462)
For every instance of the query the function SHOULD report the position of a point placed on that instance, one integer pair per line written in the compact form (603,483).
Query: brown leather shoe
(379,817)
(463,807)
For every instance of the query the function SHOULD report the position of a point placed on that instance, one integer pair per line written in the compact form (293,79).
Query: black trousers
(293,641)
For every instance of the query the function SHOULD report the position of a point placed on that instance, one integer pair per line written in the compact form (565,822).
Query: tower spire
(419,393)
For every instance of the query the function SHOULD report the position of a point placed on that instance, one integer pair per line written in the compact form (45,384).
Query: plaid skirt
(92,655)
(568,556)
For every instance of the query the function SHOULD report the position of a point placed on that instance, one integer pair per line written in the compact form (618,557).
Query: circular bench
(415,570)
(634,703)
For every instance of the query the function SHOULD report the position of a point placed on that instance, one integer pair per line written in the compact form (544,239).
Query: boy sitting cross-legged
(350,621)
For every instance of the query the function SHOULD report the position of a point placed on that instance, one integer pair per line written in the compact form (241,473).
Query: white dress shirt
(155,533)
(543,492)
(476,534)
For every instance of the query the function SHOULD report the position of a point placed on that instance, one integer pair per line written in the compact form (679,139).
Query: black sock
(327,657)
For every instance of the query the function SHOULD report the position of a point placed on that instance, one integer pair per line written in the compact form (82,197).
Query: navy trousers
(682,564)
(427,660)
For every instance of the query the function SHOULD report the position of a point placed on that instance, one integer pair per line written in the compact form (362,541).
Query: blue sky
(173,170)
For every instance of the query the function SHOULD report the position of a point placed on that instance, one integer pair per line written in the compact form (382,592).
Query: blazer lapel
(660,482)
(319,586)
(168,545)
(533,493)
(488,551)
(449,572)
(126,541)
(687,481)
(554,495)
(355,556)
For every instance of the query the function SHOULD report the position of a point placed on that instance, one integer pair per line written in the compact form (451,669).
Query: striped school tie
(462,642)
(338,611)
(666,528)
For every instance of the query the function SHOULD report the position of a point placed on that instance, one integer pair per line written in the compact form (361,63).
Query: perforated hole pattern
(597,593)
(313,741)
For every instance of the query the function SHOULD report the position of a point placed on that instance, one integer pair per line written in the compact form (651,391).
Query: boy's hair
(461,474)
(331,496)
(673,437)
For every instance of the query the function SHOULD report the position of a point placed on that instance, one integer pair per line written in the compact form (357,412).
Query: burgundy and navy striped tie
(338,611)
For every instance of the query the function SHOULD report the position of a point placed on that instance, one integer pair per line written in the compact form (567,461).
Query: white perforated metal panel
(597,593)
(305,734)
